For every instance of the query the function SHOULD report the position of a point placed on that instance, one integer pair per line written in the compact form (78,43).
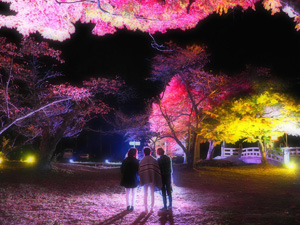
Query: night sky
(234,40)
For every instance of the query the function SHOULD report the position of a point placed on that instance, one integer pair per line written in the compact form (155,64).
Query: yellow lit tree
(254,118)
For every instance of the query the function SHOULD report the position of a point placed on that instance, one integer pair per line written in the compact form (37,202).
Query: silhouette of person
(166,169)
(149,177)
(130,177)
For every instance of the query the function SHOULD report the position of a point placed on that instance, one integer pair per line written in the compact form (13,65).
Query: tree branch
(32,113)
(157,46)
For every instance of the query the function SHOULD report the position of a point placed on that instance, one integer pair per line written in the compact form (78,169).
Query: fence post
(223,149)
(240,150)
(286,156)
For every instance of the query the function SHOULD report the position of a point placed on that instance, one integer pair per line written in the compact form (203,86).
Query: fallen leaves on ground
(76,194)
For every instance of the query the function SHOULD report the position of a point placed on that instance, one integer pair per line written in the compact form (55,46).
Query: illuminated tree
(55,19)
(178,112)
(36,109)
(256,118)
(172,114)
(5,146)
(243,84)
(14,71)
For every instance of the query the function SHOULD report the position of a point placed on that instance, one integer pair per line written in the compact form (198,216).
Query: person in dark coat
(130,178)
(166,169)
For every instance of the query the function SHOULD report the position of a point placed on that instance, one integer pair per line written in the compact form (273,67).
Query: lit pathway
(188,204)
(89,195)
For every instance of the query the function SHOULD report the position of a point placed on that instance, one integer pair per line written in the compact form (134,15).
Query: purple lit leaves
(79,200)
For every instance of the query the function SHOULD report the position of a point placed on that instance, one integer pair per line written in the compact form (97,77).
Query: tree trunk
(154,149)
(196,149)
(262,148)
(154,146)
(189,159)
(46,150)
(211,148)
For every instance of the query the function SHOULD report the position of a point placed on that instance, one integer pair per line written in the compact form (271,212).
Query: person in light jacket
(130,177)
(150,177)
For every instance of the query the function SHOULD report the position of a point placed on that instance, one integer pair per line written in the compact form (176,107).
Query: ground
(76,194)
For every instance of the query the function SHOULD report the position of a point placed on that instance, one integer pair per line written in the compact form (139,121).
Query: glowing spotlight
(106,161)
(274,138)
(30,159)
(291,166)
(71,161)
(1,159)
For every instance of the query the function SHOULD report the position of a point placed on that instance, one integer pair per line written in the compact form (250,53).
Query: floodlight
(30,159)
(291,166)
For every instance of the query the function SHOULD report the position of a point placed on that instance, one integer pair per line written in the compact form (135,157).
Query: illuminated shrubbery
(55,19)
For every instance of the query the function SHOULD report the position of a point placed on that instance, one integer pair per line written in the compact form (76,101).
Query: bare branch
(157,46)
(32,113)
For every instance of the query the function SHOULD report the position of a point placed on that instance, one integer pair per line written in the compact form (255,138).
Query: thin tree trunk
(211,149)
(196,149)
(264,160)
(154,149)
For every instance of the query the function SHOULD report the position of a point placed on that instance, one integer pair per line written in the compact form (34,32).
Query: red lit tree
(37,110)
(179,111)
(172,114)
(55,19)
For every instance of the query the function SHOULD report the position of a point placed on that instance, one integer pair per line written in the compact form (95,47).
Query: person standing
(149,177)
(130,177)
(166,169)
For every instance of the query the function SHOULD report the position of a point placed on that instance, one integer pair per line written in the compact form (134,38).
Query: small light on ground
(71,161)
(30,159)
(106,161)
(291,166)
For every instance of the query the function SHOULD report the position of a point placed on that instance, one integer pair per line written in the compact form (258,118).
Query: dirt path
(89,195)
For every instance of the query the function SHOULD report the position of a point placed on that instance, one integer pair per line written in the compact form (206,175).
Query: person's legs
(133,197)
(164,194)
(127,191)
(152,196)
(164,197)
(169,190)
(146,197)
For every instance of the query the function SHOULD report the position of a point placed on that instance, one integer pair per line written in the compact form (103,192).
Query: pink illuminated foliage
(190,91)
(41,111)
(55,19)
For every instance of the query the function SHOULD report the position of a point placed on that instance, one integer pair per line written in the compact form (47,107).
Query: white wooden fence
(251,152)
(226,152)
(294,151)
(253,155)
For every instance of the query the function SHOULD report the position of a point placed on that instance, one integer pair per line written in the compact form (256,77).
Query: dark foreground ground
(74,194)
